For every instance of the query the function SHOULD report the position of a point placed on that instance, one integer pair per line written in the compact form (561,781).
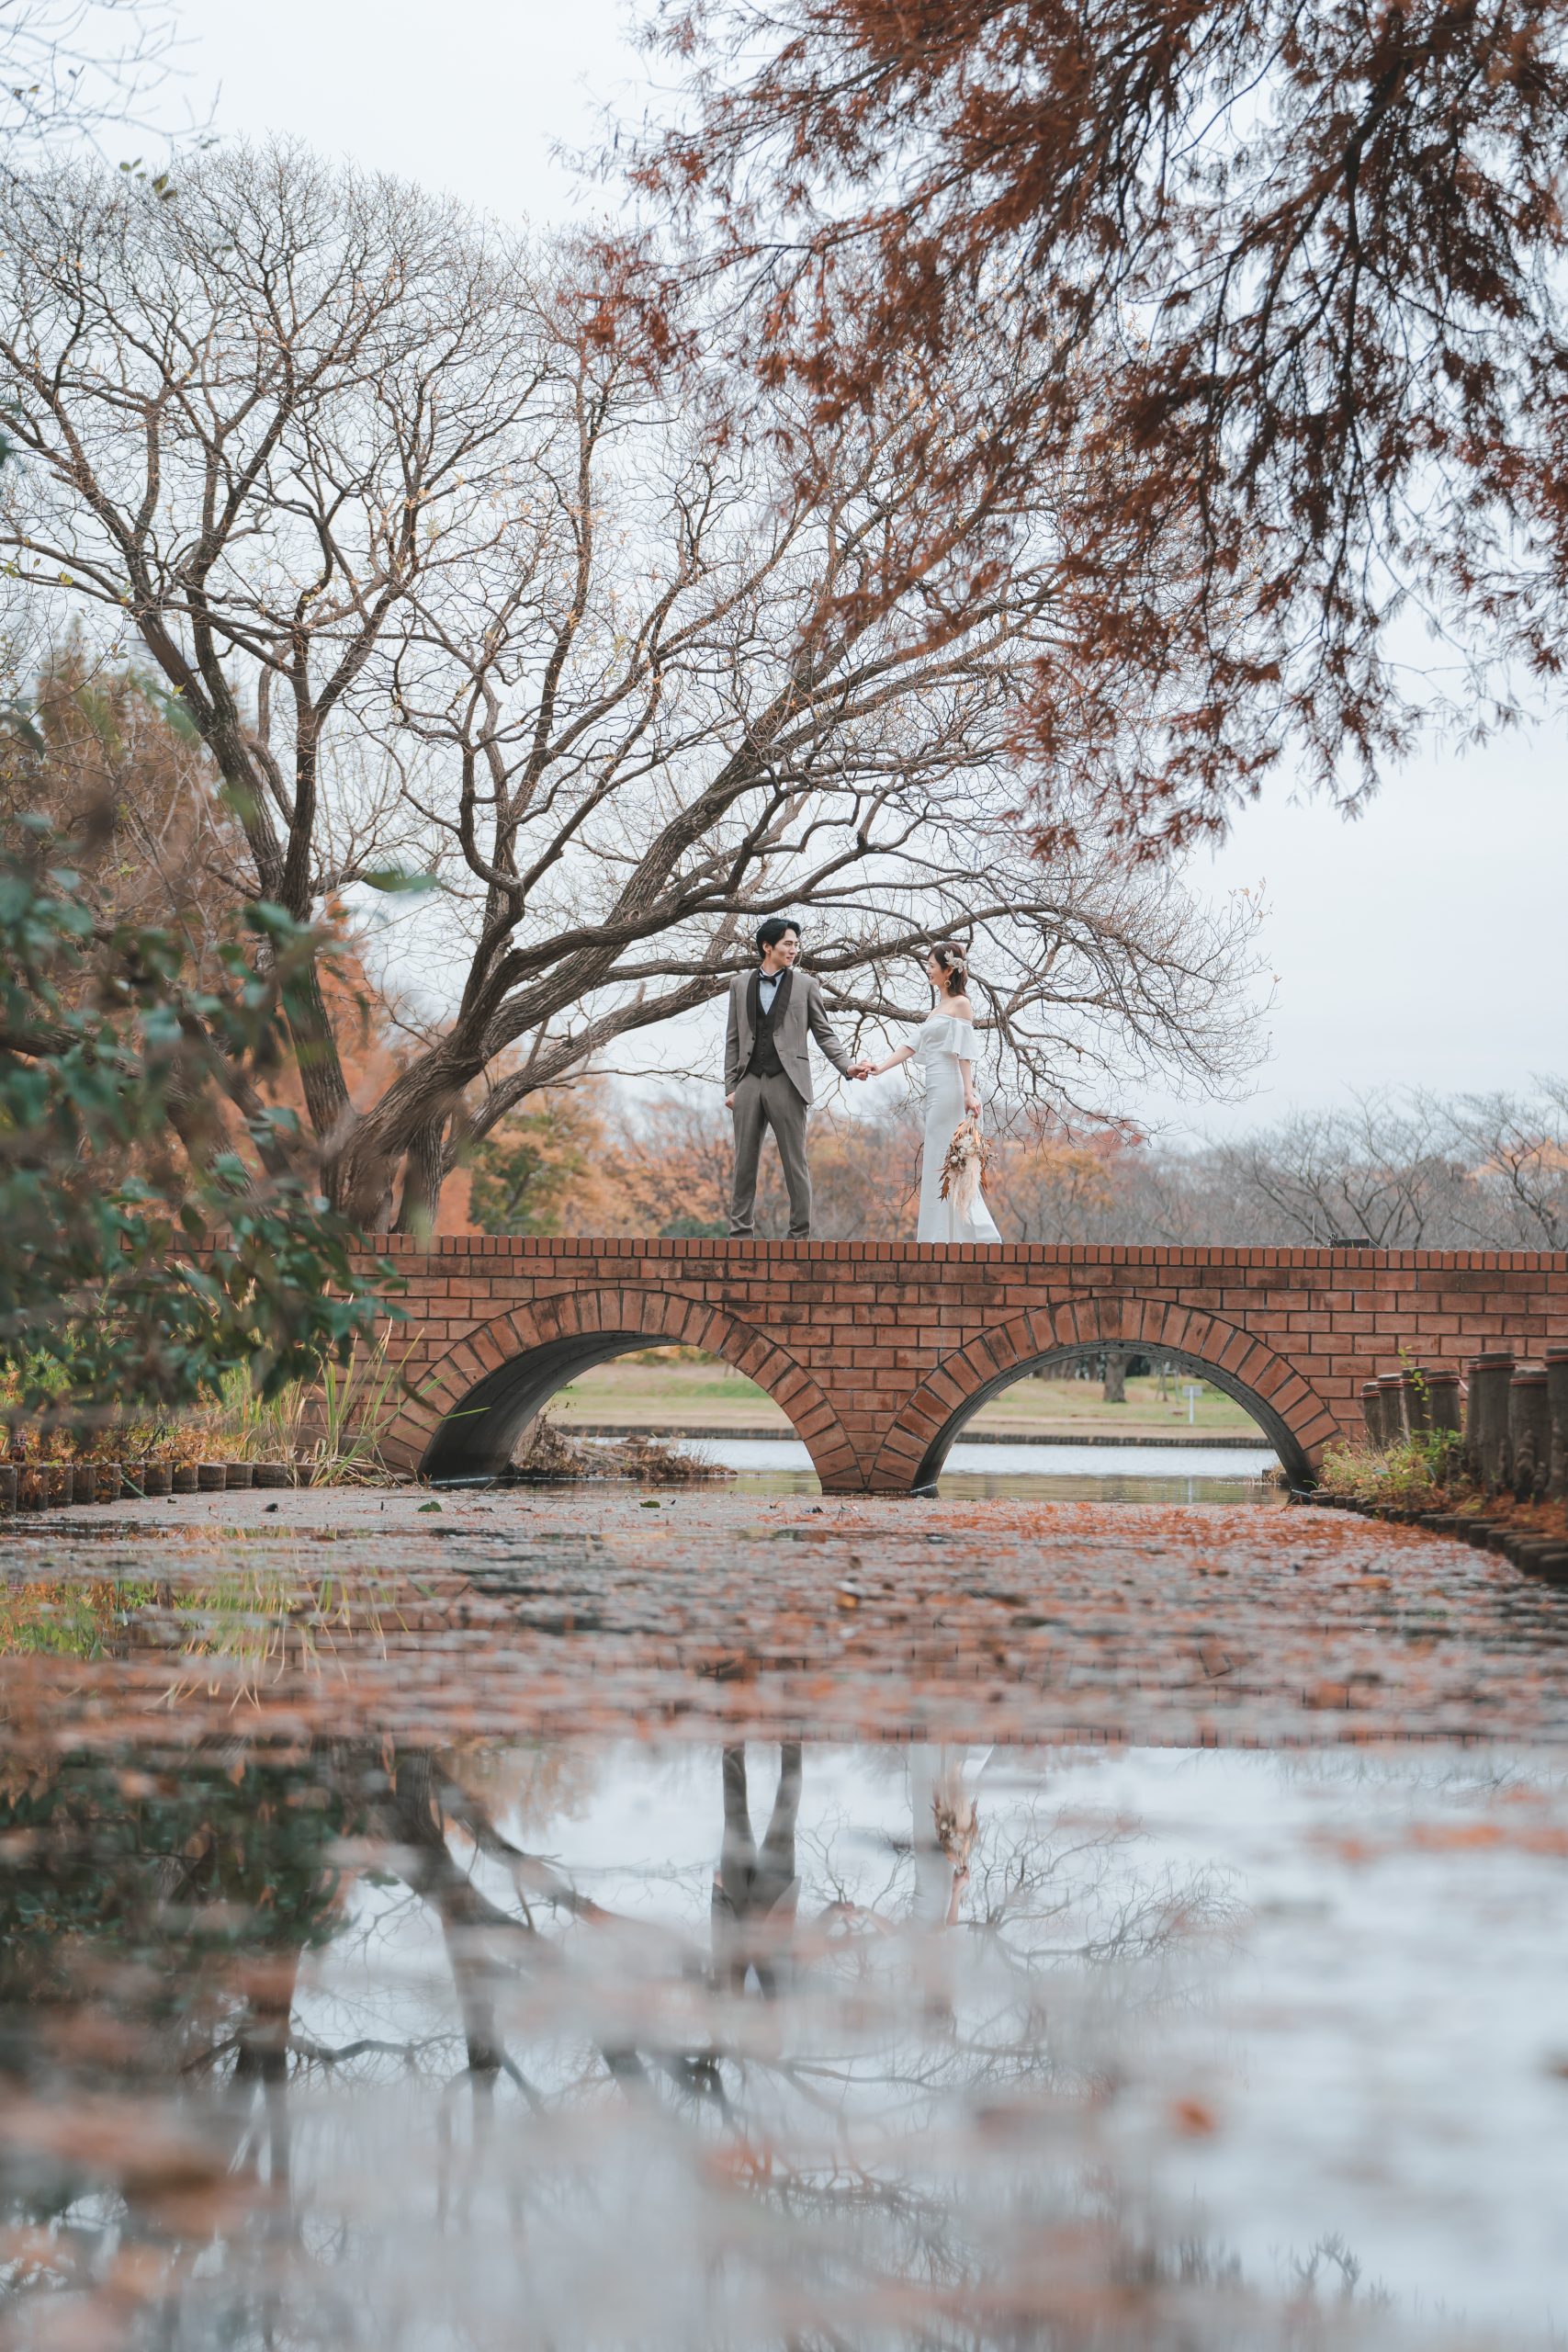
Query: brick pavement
(560,1613)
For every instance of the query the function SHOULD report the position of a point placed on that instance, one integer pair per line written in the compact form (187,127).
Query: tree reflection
(289,1981)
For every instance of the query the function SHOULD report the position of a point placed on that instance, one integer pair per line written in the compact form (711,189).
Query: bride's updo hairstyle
(955,963)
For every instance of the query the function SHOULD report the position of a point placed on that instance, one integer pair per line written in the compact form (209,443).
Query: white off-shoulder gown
(941,1044)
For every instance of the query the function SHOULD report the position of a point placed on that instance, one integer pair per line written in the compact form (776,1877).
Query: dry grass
(329,1429)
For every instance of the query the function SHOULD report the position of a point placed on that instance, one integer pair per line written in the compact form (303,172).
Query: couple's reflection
(756,1888)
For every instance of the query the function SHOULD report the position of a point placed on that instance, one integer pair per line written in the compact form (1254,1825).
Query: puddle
(635,2044)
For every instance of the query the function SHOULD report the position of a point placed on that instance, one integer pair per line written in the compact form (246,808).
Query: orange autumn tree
(550,1169)
(103,752)
(112,759)
(1275,292)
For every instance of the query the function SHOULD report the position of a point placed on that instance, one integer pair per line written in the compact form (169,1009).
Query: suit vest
(764,1061)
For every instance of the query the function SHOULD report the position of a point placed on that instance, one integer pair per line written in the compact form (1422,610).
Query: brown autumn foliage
(109,757)
(582,1162)
(1273,291)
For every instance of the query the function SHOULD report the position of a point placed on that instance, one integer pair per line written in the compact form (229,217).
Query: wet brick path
(567,1611)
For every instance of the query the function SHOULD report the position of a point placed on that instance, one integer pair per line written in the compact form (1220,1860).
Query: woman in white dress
(946,1050)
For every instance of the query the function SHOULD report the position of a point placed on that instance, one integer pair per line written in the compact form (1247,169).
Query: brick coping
(679,1249)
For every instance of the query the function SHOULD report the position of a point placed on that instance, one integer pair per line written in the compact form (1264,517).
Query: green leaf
(118,1162)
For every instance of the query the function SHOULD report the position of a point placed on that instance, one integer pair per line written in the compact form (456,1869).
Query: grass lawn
(648,1392)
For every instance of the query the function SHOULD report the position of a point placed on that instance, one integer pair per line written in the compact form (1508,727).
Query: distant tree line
(1412,1171)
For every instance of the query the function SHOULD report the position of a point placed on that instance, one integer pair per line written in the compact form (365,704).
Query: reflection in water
(755,1892)
(387,2046)
(1056,1473)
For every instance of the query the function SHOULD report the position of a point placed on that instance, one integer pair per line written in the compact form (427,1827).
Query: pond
(1068,1472)
(684,1919)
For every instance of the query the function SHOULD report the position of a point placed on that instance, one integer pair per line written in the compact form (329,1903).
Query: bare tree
(1377,1172)
(1409,1172)
(1402,1171)
(249,415)
(1519,1152)
(448,578)
(74,68)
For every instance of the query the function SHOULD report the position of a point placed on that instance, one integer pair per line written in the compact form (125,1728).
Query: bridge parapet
(879,1350)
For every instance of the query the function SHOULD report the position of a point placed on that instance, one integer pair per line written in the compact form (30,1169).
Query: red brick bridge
(879,1351)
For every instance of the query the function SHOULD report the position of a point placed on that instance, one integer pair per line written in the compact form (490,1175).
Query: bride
(946,1049)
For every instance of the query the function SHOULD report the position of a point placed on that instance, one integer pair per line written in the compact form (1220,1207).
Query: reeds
(329,1430)
(255,1622)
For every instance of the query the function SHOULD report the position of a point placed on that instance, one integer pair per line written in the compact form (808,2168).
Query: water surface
(974,1470)
(449,1922)
(623,2043)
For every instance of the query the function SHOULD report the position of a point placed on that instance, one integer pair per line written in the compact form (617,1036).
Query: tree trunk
(316,1052)
(1114,1391)
(424,1172)
(358,1182)
(408,1131)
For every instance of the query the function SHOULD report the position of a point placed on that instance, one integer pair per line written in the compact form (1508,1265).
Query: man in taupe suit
(767,1071)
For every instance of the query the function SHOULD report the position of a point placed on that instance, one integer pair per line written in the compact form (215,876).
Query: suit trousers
(770,1102)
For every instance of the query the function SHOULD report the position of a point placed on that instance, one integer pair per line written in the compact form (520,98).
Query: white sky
(1423,945)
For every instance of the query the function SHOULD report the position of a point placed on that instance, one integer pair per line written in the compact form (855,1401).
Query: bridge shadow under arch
(1290,1415)
(478,1401)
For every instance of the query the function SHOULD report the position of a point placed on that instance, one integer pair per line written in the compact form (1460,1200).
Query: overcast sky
(1423,945)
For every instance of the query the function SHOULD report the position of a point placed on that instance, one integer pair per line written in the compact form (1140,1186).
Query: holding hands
(866,1067)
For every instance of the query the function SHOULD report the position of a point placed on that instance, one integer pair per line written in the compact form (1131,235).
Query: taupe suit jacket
(798,1011)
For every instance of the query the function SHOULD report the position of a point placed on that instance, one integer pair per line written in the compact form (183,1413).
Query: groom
(767,1071)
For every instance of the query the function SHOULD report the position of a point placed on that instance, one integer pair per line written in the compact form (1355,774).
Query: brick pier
(880,1351)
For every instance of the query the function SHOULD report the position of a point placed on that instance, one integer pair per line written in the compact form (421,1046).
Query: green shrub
(162,1224)
(1417,1472)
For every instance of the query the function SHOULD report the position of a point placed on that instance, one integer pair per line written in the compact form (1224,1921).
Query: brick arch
(1294,1418)
(473,1402)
